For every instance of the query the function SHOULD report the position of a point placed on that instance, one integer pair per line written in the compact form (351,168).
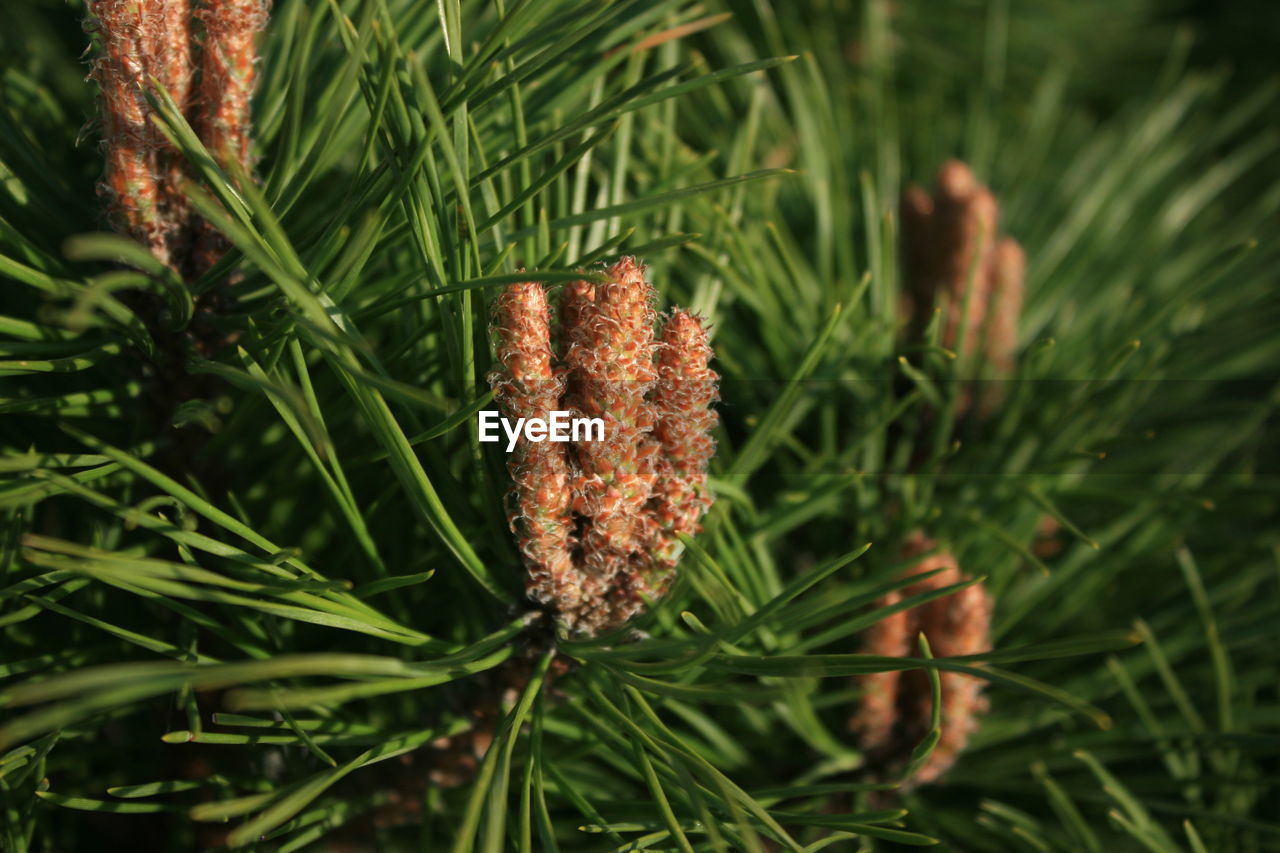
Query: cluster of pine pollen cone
(895,708)
(951,249)
(598,522)
(205,58)
(953,257)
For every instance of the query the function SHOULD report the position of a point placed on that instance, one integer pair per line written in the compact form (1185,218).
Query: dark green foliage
(236,576)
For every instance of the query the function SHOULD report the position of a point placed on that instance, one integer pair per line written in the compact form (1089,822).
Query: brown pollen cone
(577,306)
(598,523)
(682,400)
(228,75)
(151,42)
(957,625)
(951,252)
(527,387)
(877,714)
(1008,272)
(611,361)
(175,73)
(895,708)
(136,44)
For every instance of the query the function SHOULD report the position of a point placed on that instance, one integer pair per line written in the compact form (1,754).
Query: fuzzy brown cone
(597,522)
(683,420)
(228,76)
(528,387)
(610,358)
(895,708)
(953,256)
(145,39)
(136,44)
